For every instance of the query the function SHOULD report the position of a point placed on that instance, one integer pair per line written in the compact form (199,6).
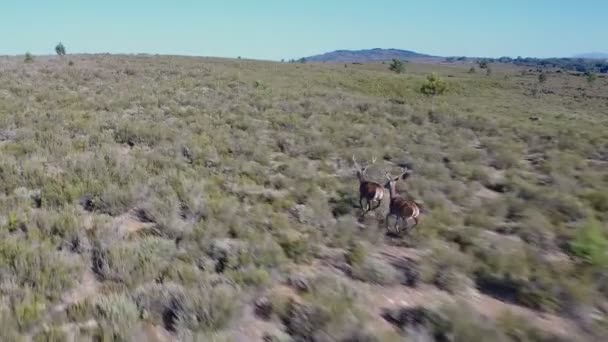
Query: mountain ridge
(592,55)
(367,55)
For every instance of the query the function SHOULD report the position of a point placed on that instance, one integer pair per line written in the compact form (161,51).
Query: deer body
(401,208)
(369,191)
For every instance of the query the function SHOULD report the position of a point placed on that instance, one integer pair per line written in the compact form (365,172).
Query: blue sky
(273,29)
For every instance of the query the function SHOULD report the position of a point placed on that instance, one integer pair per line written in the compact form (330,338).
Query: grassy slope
(182,188)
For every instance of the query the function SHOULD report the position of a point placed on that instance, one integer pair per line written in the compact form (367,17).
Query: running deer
(368,190)
(400,207)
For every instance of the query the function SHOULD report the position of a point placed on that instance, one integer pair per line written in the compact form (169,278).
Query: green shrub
(28,310)
(134,263)
(446,265)
(590,244)
(433,86)
(519,329)
(376,271)
(47,271)
(295,246)
(356,254)
(202,308)
(80,311)
(56,194)
(397,66)
(117,314)
(208,308)
(52,334)
(598,200)
(251,276)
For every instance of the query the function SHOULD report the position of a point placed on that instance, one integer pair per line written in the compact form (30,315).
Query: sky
(273,29)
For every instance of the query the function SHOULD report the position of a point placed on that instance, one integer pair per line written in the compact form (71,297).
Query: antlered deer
(368,190)
(400,207)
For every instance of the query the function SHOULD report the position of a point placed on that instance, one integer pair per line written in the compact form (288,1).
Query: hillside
(370,55)
(157,198)
(593,55)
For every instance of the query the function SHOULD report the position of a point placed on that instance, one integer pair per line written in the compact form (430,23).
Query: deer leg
(377,205)
(387,220)
(365,208)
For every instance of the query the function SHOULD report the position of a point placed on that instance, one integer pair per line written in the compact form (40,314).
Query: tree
(483,64)
(472,70)
(397,66)
(28,57)
(433,86)
(542,77)
(60,49)
(591,77)
(302,60)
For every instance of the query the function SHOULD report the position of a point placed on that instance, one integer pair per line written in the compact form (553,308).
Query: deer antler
(405,172)
(356,164)
(388,175)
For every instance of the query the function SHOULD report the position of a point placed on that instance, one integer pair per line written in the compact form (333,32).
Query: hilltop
(369,55)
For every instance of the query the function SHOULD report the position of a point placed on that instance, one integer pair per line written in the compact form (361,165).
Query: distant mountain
(593,55)
(370,55)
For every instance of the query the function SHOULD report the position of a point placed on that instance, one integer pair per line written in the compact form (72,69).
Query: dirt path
(494,308)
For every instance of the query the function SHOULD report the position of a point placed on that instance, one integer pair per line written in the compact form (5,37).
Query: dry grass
(189,186)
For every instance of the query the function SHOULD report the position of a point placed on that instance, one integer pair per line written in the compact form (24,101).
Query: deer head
(391,181)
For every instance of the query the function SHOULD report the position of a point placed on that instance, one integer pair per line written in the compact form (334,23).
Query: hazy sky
(275,29)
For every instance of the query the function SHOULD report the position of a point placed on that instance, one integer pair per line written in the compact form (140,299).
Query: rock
(299,282)
(263,308)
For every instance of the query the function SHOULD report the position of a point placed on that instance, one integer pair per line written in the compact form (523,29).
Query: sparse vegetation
(591,77)
(171,193)
(397,66)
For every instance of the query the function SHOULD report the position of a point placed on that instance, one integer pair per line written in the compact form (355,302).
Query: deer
(368,190)
(401,208)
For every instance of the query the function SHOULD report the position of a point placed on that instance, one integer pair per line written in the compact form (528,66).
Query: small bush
(295,247)
(80,311)
(203,308)
(118,314)
(590,244)
(29,58)
(305,322)
(374,270)
(452,281)
(433,86)
(356,254)
(132,263)
(52,334)
(447,269)
(397,66)
(598,200)
(47,271)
